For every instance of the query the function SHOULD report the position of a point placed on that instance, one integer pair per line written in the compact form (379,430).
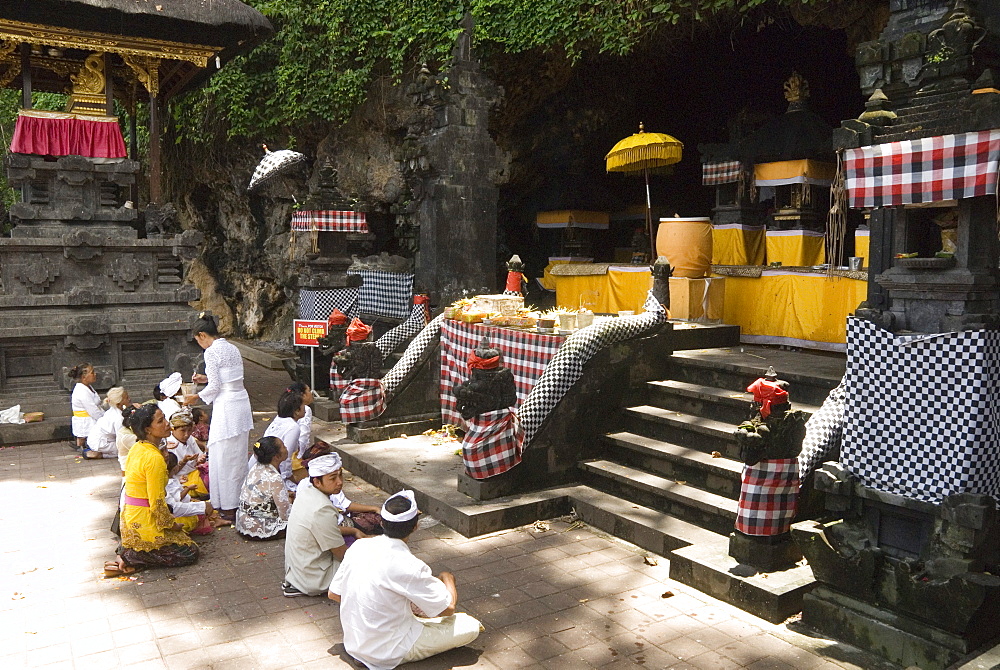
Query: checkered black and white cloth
(721,172)
(330,220)
(566,366)
(769,496)
(273,164)
(923,412)
(386,294)
(413,325)
(319,304)
(824,431)
(493,443)
(425,339)
(362,400)
(526,354)
(931,169)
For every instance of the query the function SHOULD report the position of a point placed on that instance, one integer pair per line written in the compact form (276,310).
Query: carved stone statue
(490,385)
(360,359)
(769,443)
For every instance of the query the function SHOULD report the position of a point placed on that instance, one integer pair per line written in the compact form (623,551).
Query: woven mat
(755,271)
(578,269)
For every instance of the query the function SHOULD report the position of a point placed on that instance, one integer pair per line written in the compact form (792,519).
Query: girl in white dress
(189,454)
(85,401)
(103,437)
(232,418)
(264,501)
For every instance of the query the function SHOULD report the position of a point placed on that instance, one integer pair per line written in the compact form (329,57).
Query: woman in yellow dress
(151,536)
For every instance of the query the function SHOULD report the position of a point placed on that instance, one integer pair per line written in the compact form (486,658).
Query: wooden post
(155,189)
(25,75)
(109,87)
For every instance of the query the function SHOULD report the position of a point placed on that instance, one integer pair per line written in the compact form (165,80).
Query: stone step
(810,375)
(928,113)
(703,508)
(642,526)
(718,475)
(707,401)
(708,567)
(681,429)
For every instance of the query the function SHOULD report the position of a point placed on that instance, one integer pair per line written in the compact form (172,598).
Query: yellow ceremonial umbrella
(644,151)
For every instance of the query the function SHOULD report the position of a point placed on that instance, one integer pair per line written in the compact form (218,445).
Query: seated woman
(103,436)
(125,438)
(189,455)
(85,402)
(264,505)
(151,537)
(285,427)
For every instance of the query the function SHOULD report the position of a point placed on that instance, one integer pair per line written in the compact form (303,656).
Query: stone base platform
(898,638)
(773,596)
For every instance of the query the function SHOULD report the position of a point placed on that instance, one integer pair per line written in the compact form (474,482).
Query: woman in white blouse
(232,419)
(85,402)
(103,436)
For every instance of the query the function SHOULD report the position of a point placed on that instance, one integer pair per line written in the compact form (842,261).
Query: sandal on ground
(90,454)
(114,569)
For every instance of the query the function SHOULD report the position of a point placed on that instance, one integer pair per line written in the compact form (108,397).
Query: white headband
(324,465)
(171,385)
(402,516)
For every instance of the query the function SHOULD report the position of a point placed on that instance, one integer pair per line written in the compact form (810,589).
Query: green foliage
(326,53)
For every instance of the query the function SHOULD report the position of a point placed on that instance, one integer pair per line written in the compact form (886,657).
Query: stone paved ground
(566,597)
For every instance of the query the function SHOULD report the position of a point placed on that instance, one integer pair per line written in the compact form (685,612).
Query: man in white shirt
(376,585)
(314,546)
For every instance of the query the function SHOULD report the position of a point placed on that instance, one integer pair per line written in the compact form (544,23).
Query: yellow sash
(80,413)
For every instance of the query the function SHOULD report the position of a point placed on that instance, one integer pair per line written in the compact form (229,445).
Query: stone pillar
(458,215)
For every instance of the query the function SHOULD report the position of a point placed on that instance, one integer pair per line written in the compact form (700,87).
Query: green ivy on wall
(325,54)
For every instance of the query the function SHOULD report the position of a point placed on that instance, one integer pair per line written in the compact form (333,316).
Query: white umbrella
(273,164)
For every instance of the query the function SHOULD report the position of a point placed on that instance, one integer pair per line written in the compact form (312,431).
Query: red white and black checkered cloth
(931,169)
(768,497)
(330,220)
(721,172)
(493,443)
(362,400)
(337,381)
(525,353)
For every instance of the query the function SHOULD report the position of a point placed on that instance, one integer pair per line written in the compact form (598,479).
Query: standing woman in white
(232,419)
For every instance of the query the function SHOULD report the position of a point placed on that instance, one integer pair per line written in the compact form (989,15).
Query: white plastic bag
(12,415)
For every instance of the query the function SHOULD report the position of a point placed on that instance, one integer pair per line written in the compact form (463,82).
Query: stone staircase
(669,478)
(929,111)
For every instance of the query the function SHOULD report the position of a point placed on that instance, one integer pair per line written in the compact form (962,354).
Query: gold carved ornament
(90,78)
(33,33)
(147,71)
(796,88)
(9,56)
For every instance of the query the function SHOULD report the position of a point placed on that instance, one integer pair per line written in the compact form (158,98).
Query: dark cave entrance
(690,89)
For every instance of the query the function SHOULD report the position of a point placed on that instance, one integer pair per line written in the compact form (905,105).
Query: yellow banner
(609,293)
(737,245)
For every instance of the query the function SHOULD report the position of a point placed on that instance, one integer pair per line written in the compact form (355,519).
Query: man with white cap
(378,584)
(165,392)
(314,546)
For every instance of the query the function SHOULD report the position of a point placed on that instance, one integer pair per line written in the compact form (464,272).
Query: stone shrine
(77,284)
(910,571)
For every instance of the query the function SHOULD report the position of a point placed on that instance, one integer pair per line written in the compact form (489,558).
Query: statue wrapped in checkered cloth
(332,344)
(495,438)
(770,443)
(361,363)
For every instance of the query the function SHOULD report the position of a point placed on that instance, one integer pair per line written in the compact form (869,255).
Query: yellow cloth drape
(794,172)
(608,293)
(798,308)
(148,528)
(796,248)
(862,246)
(736,244)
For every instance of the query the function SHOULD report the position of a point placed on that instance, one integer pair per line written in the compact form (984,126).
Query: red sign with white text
(305,333)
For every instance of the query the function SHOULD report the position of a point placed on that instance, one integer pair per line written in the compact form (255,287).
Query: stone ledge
(265,359)
(49,430)
(709,568)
